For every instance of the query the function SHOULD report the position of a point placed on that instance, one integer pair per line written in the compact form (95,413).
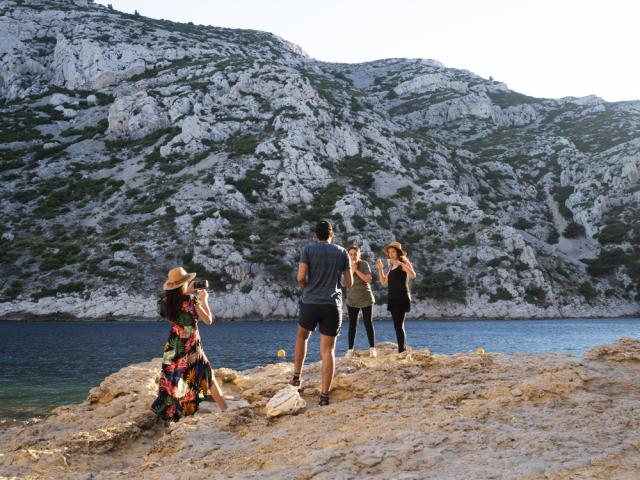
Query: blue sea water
(46,364)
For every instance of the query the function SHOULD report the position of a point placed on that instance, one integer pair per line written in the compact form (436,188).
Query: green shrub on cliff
(574,230)
(253,181)
(242,144)
(523,224)
(613,233)
(13,290)
(606,262)
(534,294)
(443,285)
(561,194)
(500,294)
(587,291)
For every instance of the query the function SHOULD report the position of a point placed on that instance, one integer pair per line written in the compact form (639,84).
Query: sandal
(324,399)
(295,380)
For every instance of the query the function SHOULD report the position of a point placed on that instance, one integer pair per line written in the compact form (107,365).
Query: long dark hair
(401,256)
(174,299)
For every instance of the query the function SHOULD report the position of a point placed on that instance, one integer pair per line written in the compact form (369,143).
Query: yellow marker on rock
(480,351)
(282,353)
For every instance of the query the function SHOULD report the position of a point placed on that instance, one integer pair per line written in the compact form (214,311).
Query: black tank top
(398,282)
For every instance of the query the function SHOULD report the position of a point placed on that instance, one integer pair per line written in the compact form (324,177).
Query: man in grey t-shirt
(321,267)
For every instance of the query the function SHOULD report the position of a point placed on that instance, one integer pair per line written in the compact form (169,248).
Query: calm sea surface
(45,364)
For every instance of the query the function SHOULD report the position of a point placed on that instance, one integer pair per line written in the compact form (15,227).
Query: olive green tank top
(360,295)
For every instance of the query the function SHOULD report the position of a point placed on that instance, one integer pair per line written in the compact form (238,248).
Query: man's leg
(328,354)
(301,350)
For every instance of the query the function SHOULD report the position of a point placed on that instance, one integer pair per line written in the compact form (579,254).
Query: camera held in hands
(199,284)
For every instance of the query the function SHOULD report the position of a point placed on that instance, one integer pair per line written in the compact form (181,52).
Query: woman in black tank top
(397,280)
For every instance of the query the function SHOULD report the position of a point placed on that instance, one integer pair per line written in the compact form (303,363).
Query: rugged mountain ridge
(130,145)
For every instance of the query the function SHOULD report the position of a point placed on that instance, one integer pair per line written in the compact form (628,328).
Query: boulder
(136,116)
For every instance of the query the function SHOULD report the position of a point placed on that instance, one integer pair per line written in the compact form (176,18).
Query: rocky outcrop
(136,116)
(412,415)
(85,64)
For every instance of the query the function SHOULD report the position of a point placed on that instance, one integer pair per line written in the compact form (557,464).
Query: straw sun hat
(177,277)
(397,246)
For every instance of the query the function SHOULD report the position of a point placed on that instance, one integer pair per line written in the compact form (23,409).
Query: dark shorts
(328,316)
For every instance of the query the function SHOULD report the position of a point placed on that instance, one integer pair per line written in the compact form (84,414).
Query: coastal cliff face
(493,415)
(130,145)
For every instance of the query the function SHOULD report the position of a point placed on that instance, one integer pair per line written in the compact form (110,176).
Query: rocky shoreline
(238,306)
(415,415)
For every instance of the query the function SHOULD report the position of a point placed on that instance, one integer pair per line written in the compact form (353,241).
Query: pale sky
(543,48)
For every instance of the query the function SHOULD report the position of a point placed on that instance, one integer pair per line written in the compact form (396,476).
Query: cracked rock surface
(411,416)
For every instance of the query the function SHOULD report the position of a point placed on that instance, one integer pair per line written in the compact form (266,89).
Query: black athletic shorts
(328,316)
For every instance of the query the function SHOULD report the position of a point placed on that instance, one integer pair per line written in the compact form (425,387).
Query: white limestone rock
(136,116)
(124,256)
(80,63)
(211,227)
(430,83)
(58,99)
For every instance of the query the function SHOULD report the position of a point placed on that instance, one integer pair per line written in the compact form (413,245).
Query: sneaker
(349,353)
(324,399)
(295,381)
(372,352)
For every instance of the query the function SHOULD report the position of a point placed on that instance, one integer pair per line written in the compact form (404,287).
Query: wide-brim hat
(397,246)
(177,277)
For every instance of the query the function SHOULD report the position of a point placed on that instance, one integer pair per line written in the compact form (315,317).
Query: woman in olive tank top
(360,297)
(397,280)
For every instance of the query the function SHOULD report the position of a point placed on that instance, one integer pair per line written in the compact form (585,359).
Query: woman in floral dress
(186,371)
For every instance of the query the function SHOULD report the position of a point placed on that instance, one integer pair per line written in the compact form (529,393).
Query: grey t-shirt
(326,263)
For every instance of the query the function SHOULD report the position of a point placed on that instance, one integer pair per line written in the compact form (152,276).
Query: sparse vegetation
(523,224)
(14,289)
(587,291)
(495,262)
(443,285)
(242,144)
(87,132)
(574,230)
(510,99)
(500,294)
(253,182)
(606,262)
(613,233)
(360,170)
(62,289)
(553,236)
(535,295)
(561,194)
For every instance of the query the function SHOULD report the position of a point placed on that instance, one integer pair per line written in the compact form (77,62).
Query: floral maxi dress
(186,371)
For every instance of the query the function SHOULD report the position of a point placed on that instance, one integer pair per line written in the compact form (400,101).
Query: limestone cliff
(129,145)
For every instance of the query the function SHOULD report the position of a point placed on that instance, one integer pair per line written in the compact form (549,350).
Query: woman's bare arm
(301,276)
(202,309)
(381,276)
(407,267)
